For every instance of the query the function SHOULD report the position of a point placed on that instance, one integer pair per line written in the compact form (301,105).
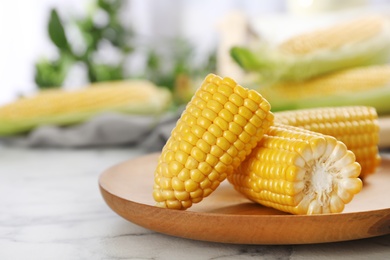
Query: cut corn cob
(219,127)
(60,107)
(334,37)
(356,126)
(369,86)
(299,171)
(360,42)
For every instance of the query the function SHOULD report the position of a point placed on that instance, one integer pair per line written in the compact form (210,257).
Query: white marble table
(51,208)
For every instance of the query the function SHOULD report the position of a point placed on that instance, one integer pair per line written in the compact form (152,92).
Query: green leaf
(153,60)
(104,72)
(57,32)
(90,33)
(110,6)
(51,74)
(245,58)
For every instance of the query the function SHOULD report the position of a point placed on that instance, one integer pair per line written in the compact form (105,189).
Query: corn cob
(334,37)
(369,86)
(61,107)
(361,42)
(299,171)
(356,126)
(219,127)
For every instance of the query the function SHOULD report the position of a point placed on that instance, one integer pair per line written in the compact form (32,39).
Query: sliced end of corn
(300,172)
(218,129)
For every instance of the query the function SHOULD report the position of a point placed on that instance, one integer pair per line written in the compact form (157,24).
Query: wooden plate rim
(170,215)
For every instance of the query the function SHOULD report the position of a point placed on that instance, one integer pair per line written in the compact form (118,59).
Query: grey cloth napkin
(107,129)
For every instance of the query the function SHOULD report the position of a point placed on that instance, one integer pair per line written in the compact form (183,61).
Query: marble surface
(51,208)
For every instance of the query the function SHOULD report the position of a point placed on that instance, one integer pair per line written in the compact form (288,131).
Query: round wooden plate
(226,216)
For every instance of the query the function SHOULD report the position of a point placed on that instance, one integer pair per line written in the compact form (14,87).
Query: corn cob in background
(334,37)
(366,86)
(360,42)
(356,126)
(299,171)
(62,107)
(218,129)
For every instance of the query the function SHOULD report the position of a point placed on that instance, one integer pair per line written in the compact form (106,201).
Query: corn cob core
(356,126)
(219,127)
(65,107)
(299,171)
(352,80)
(335,36)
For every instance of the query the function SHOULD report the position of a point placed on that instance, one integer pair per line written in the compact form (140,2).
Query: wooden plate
(226,216)
(384,132)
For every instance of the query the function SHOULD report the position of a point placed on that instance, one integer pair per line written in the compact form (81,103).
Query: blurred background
(145,25)
(148,25)
(172,44)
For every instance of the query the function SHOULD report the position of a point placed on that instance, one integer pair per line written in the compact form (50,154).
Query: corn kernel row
(218,129)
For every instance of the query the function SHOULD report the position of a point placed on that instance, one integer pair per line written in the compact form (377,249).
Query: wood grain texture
(226,216)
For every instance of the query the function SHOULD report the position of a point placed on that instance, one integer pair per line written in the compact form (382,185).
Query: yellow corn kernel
(231,107)
(240,120)
(226,115)
(198,131)
(191,163)
(299,171)
(205,167)
(211,160)
(356,126)
(235,128)
(183,175)
(177,184)
(190,185)
(212,137)
(197,176)
(203,145)
(220,98)
(236,99)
